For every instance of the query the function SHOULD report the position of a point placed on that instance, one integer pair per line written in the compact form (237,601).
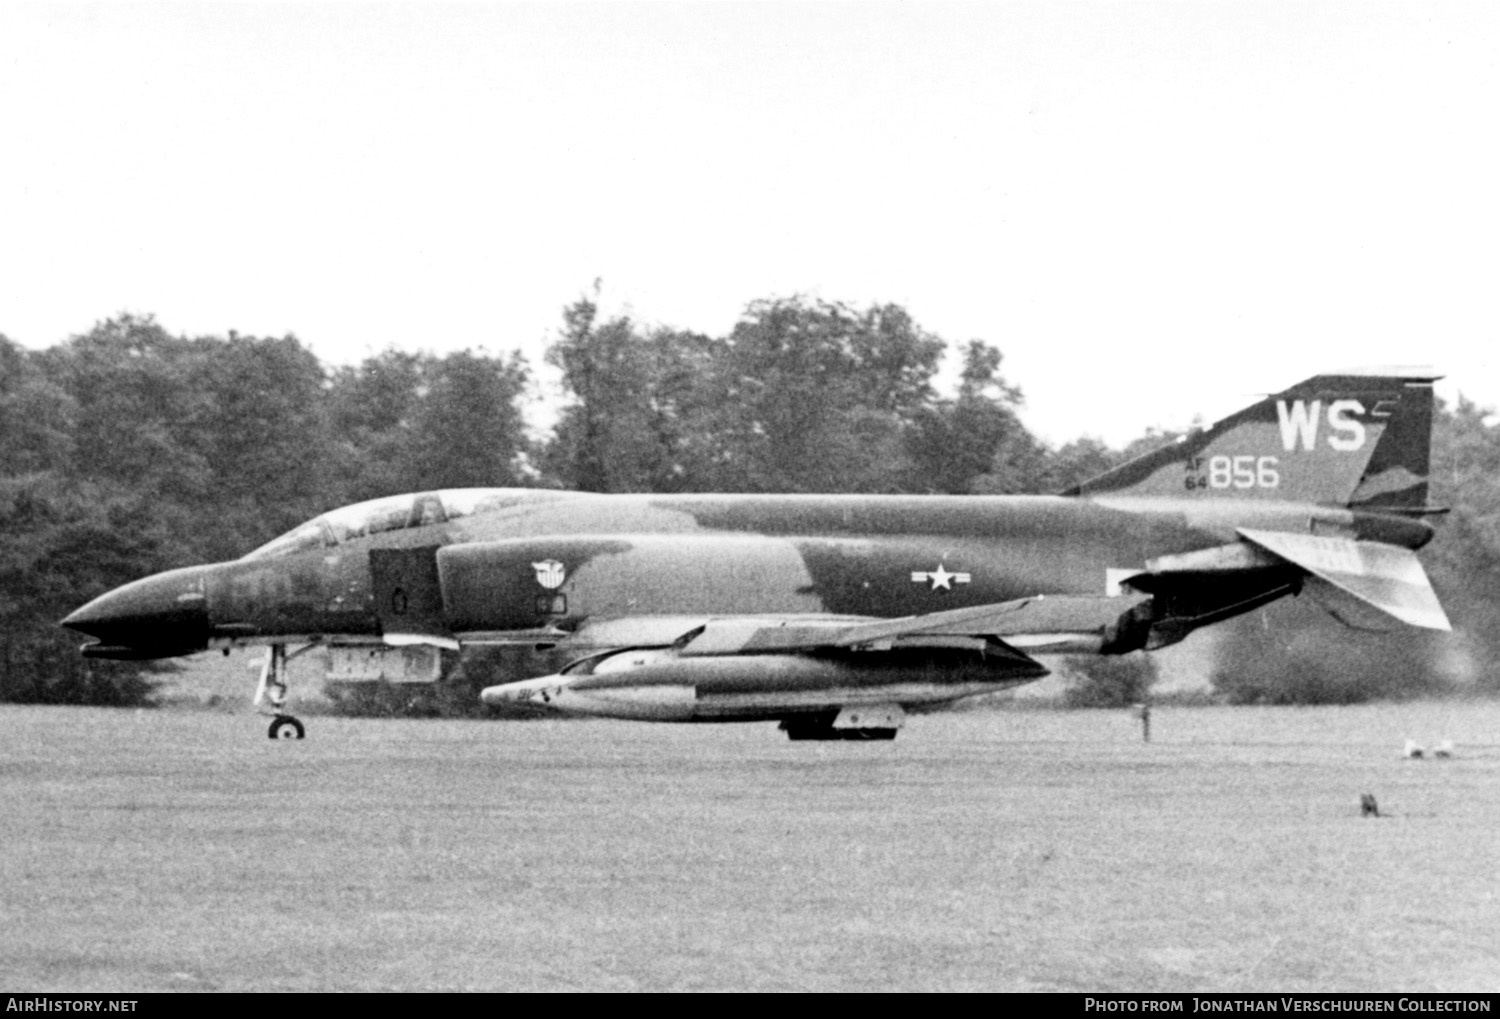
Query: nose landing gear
(273,689)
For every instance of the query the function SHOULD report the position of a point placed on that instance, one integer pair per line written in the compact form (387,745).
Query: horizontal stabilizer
(1373,574)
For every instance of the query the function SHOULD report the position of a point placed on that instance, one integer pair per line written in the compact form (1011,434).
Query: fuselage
(532,562)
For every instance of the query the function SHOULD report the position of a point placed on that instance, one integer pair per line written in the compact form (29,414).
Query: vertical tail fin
(1357,438)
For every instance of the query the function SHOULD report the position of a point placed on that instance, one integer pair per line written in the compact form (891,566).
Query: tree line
(127,450)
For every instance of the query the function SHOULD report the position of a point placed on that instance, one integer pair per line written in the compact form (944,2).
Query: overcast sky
(1155,210)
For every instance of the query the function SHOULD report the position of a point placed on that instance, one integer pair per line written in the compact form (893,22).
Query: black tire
(821,729)
(285,727)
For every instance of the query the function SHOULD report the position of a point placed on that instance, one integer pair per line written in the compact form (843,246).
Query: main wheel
(285,727)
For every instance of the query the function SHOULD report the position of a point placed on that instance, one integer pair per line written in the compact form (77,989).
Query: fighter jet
(834,615)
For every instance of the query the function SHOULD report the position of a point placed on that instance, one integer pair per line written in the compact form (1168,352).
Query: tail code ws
(1300,420)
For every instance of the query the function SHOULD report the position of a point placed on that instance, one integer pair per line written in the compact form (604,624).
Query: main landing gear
(809,730)
(866,722)
(272,689)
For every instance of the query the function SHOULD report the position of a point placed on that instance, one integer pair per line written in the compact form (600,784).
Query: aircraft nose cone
(166,610)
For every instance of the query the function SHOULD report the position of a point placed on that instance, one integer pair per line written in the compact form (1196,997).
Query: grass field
(996,850)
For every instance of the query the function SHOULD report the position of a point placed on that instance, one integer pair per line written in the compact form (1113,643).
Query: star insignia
(940,578)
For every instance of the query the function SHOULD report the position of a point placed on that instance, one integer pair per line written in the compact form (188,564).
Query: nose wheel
(286,727)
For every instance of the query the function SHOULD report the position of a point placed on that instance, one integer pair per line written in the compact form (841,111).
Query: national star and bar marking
(940,578)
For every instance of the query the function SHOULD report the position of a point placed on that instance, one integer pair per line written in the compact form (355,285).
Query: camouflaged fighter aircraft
(833,615)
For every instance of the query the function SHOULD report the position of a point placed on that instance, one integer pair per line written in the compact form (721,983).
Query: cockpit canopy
(392,513)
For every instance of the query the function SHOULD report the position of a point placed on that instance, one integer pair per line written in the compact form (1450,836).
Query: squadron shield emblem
(550,574)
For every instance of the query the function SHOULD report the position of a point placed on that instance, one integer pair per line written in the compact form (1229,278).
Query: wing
(824,668)
(1042,623)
